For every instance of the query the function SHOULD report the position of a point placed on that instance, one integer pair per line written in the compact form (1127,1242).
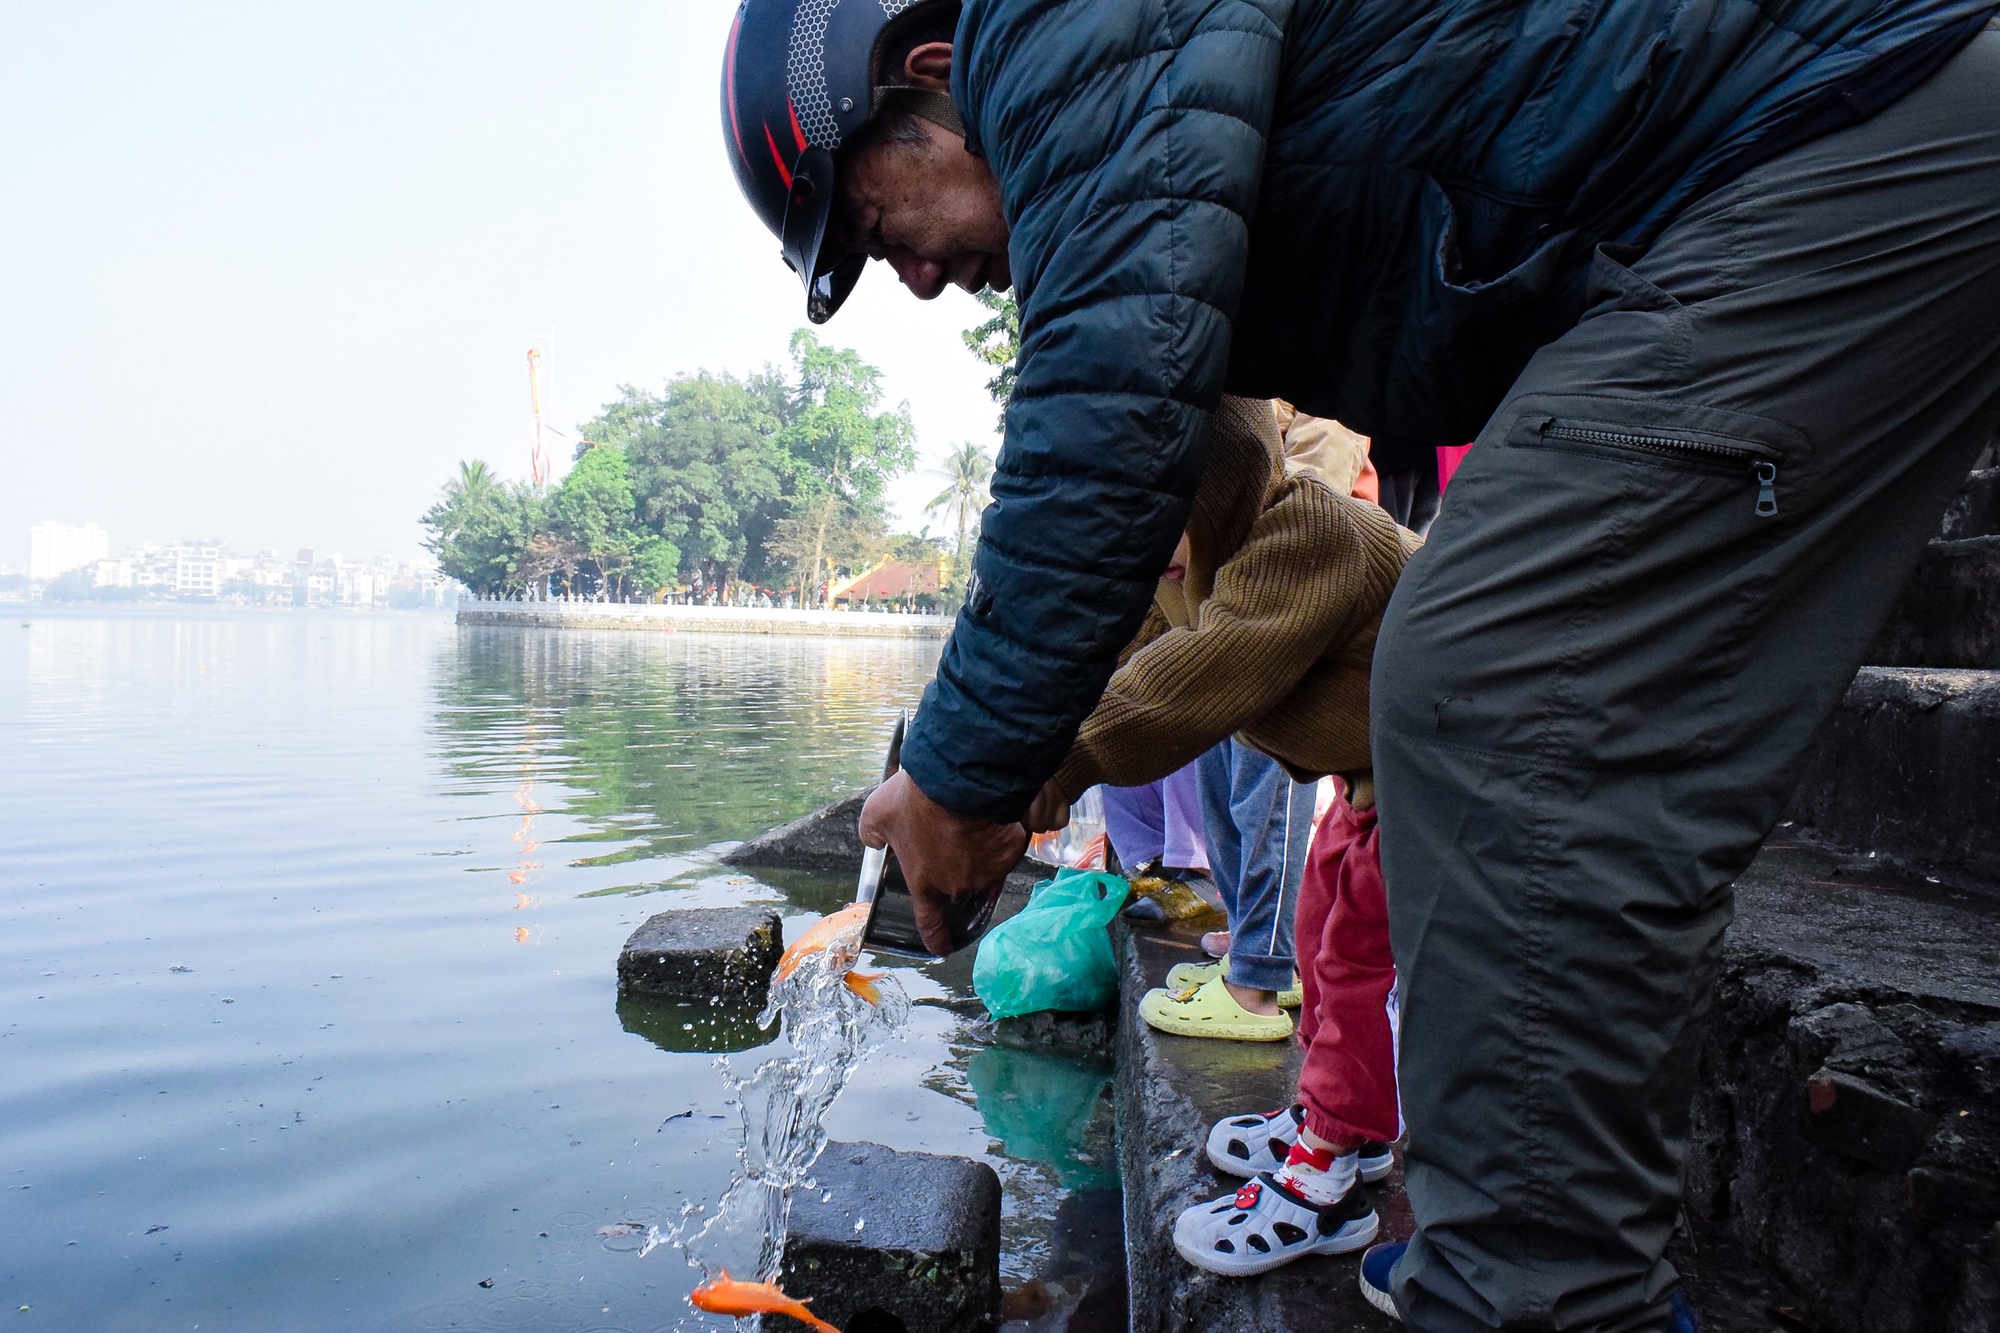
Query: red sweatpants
(1349,1081)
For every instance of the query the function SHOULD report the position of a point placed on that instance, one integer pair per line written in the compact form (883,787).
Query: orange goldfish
(863,984)
(725,1295)
(827,932)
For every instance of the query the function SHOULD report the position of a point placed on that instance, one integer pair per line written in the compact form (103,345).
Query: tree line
(777,480)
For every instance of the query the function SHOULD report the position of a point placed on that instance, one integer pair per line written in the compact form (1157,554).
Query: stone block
(1975,510)
(1861,1121)
(828,839)
(1085,1036)
(1949,613)
(703,955)
(907,1242)
(1909,766)
(1844,1130)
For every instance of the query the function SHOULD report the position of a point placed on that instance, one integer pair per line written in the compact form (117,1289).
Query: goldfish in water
(863,984)
(725,1295)
(827,933)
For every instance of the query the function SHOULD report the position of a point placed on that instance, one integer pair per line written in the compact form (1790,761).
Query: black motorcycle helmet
(798,80)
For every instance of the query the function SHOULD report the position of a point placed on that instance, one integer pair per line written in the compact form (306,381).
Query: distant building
(197,570)
(113,573)
(890,581)
(54,549)
(207,571)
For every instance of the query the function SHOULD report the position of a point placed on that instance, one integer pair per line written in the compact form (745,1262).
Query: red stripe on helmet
(792,110)
(729,87)
(784,172)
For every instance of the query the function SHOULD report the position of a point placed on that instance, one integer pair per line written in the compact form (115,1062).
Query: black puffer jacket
(1377,209)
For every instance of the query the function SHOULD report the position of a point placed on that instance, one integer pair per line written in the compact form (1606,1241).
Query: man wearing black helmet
(1715,284)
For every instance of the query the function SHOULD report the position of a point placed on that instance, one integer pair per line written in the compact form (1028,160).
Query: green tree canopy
(592,513)
(997,342)
(843,451)
(480,529)
(716,478)
(706,467)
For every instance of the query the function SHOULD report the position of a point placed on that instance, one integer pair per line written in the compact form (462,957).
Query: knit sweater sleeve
(1315,570)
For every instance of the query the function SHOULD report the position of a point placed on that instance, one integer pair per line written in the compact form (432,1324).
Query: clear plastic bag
(1081,844)
(1056,953)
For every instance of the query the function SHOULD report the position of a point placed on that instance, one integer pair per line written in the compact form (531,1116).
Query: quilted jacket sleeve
(1128,140)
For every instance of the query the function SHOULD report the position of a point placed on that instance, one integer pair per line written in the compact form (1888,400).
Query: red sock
(1320,1175)
(1319,1159)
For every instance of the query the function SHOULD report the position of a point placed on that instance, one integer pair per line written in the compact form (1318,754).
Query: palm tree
(474,479)
(966,471)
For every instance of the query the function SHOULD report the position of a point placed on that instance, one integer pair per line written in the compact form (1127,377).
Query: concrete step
(1949,614)
(1846,1170)
(1908,767)
(1170,1090)
(828,842)
(825,840)
(703,955)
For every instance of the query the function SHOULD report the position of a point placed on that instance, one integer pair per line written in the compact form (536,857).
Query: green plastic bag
(1055,954)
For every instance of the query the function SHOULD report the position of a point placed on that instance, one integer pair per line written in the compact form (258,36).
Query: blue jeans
(1259,823)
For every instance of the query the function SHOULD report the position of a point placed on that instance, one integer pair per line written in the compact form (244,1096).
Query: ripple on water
(322,817)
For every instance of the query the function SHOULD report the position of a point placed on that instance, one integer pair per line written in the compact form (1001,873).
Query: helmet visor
(829,274)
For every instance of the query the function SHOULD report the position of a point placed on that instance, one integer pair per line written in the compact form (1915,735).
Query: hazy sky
(272,269)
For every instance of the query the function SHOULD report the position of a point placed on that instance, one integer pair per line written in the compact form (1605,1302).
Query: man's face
(928,208)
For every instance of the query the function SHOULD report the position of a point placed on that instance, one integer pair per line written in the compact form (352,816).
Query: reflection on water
(308,999)
(1049,1109)
(698,1028)
(667,743)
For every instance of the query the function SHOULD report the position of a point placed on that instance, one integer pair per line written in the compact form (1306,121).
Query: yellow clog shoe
(1183,975)
(1209,1010)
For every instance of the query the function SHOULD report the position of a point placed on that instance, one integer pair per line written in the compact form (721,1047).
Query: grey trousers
(1595,687)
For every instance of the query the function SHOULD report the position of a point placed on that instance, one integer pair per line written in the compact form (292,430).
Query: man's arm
(1127,136)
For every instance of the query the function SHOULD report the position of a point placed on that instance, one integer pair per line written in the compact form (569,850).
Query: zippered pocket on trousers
(1757,462)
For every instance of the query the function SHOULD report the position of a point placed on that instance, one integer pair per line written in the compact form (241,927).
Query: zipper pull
(1767,489)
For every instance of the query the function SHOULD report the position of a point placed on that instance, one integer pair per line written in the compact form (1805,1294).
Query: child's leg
(1315,1203)
(1349,1081)
(1133,821)
(1271,819)
(1316,890)
(1218,830)
(1181,822)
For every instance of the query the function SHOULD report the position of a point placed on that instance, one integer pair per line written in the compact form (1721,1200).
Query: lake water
(308,940)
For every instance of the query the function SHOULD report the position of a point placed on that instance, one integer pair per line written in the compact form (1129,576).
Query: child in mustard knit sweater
(1267,636)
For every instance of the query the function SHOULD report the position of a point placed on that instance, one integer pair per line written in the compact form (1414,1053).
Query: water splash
(783,1104)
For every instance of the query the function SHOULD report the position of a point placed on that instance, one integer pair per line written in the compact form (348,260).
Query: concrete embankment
(1170,1090)
(704,619)
(1845,1173)
(1846,1163)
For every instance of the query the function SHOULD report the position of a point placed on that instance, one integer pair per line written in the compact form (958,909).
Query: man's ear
(929,66)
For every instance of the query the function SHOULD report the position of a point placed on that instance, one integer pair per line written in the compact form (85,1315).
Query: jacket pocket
(1679,448)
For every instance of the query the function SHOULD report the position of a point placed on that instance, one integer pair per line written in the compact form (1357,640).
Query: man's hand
(943,855)
(1049,812)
